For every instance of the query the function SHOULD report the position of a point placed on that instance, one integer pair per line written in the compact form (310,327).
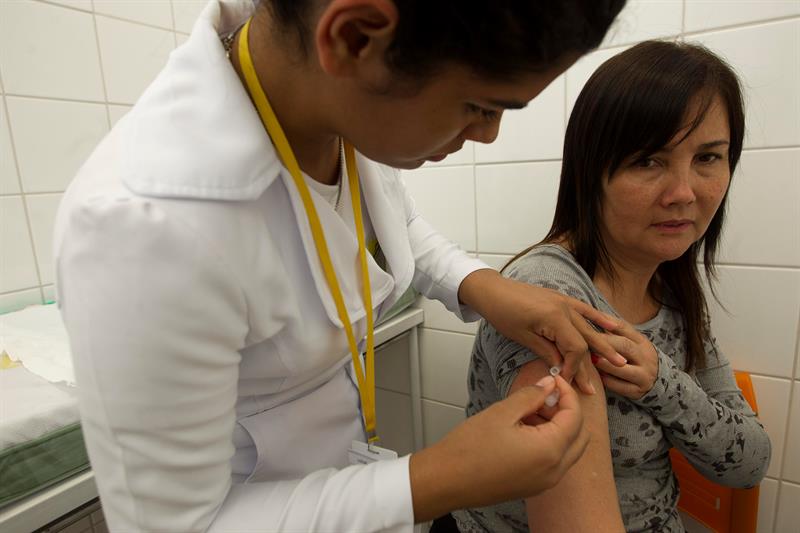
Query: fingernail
(552,399)
(623,359)
(545,382)
(591,387)
(595,359)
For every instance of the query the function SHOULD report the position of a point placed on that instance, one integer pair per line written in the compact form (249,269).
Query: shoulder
(553,267)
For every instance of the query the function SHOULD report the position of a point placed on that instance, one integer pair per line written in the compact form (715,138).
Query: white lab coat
(213,373)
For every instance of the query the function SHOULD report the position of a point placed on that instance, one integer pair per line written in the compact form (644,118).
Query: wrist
(433,485)
(473,289)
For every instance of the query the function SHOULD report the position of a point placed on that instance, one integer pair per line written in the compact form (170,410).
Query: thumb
(528,400)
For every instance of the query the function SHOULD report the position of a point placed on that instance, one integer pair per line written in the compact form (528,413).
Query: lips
(674,225)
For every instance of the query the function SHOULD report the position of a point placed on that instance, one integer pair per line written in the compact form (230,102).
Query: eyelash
(487,114)
(642,163)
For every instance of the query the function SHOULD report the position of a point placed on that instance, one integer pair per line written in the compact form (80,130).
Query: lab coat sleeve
(156,319)
(440,264)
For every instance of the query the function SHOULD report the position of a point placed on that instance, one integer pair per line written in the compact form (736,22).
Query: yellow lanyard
(366,381)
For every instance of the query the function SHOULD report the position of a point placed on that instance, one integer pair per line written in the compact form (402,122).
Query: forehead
(714,125)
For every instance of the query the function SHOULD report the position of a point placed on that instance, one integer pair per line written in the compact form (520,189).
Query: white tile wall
(444,358)
(515,204)
(791,467)
(533,133)
(705,14)
(69,69)
(766,184)
(66,131)
(760,254)
(445,196)
(49,51)
(788,518)
(132,56)
(17,264)
(758,332)
(152,12)
(767,500)
(9,181)
(767,56)
(772,397)
(646,19)
(438,419)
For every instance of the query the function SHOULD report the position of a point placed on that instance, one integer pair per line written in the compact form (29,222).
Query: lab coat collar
(197,124)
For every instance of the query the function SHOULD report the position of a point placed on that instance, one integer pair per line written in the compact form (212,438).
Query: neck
(292,86)
(628,289)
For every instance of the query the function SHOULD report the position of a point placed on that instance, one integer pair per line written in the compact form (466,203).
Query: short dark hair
(632,106)
(499,39)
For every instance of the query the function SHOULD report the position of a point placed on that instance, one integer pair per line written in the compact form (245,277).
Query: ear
(354,34)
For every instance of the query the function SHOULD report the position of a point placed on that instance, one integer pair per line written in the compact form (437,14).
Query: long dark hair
(498,40)
(632,106)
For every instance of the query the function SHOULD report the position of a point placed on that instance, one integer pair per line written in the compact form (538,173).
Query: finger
(534,420)
(621,387)
(575,450)
(625,329)
(583,379)
(627,372)
(569,341)
(598,341)
(595,316)
(544,348)
(527,400)
(624,346)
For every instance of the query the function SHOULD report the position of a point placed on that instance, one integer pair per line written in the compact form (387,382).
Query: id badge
(361,453)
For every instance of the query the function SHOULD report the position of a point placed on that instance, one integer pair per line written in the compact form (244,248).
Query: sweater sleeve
(156,319)
(709,420)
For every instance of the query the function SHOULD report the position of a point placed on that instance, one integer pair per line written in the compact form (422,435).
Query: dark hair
(497,39)
(632,106)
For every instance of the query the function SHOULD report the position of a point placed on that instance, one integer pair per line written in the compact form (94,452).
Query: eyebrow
(712,144)
(507,104)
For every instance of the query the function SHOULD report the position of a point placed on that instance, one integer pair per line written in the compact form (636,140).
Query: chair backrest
(722,509)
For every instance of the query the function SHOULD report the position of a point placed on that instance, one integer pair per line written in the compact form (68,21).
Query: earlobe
(351,34)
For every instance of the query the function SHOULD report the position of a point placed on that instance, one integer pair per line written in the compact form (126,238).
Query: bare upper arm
(586,497)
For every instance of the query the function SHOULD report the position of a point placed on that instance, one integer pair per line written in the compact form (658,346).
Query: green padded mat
(32,466)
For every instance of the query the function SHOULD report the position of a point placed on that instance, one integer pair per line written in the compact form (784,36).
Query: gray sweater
(703,414)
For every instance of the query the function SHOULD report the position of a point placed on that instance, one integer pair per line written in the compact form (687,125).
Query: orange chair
(721,509)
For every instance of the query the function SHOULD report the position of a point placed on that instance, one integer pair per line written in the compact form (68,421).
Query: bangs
(645,102)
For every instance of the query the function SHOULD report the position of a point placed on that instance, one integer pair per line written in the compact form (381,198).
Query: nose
(680,188)
(483,132)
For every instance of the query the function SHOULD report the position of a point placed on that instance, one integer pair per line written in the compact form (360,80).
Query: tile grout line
(102,70)
(792,391)
(115,17)
(25,210)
